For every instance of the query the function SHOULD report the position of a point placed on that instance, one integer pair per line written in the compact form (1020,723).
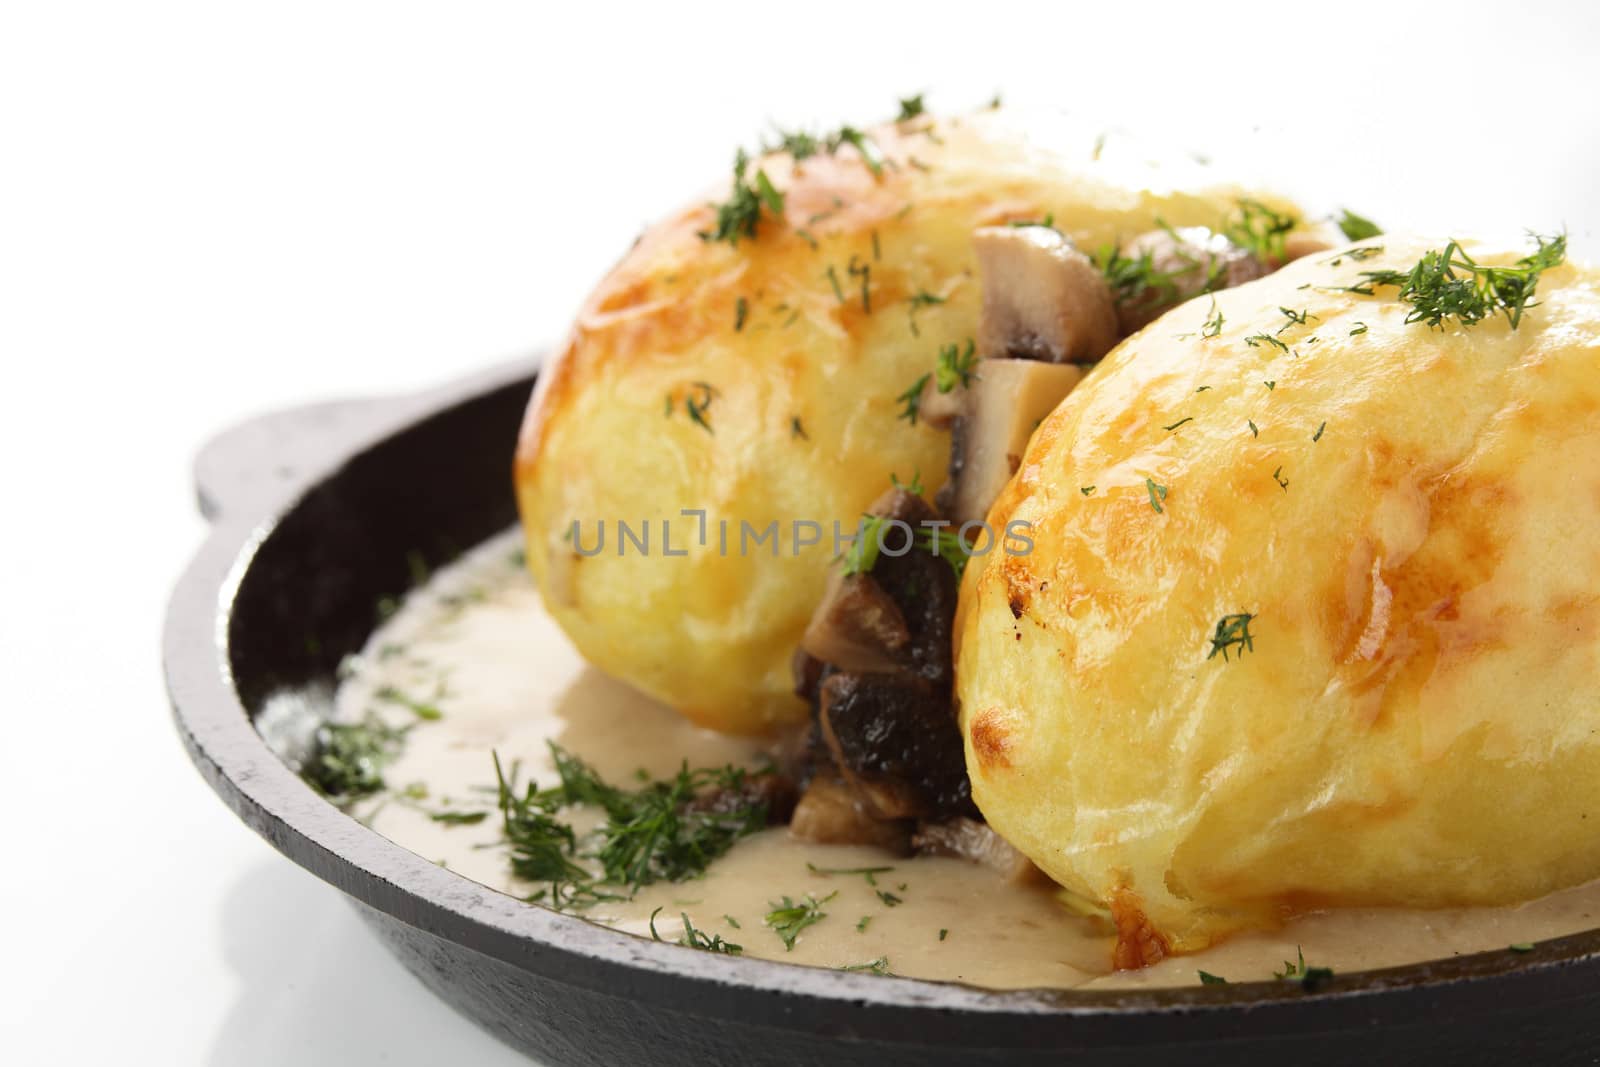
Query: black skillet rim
(217,731)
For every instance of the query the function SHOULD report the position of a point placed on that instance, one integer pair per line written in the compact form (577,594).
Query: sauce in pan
(475,644)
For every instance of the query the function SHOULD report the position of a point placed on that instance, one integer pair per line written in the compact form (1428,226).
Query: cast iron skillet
(314,512)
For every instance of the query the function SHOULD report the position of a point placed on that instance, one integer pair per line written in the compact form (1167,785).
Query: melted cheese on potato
(792,348)
(1410,517)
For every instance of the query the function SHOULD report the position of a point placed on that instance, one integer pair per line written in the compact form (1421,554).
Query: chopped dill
(877,966)
(1259,230)
(910,108)
(1310,978)
(1277,476)
(1212,327)
(1318,435)
(347,758)
(698,939)
(741,311)
(911,399)
(1180,422)
(1233,631)
(1207,978)
(1158,493)
(420,708)
(789,917)
(955,366)
(917,301)
(740,215)
(1256,340)
(1451,284)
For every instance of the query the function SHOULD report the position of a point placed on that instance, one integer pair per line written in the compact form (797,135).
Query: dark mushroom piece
(876,667)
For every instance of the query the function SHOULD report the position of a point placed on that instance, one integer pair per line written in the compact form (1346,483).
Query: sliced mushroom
(857,626)
(974,841)
(830,813)
(1042,298)
(1184,263)
(1005,403)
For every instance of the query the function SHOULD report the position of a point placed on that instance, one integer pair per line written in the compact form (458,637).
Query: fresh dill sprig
(1046,223)
(347,758)
(869,873)
(955,366)
(1258,229)
(1355,227)
(917,301)
(1259,339)
(1309,978)
(798,143)
(740,215)
(1157,492)
(1233,631)
(911,399)
(697,939)
(1450,284)
(1135,279)
(541,845)
(861,142)
(422,709)
(877,966)
(910,108)
(1212,327)
(789,917)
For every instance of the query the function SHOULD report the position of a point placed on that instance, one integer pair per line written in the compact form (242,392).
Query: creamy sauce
(476,643)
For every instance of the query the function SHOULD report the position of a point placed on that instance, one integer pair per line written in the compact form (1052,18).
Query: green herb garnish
(1158,493)
(788,917)
(1355,227)
(740,215)
(877,966)
(697,939)
(911,399)
(1309,978)
(347,758)
(1450,284)
(918,300)
(1233,631)
(910,108)
(955,366)
(1207,978)
(1259,230)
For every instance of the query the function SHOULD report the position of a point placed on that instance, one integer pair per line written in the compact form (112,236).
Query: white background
(208,210)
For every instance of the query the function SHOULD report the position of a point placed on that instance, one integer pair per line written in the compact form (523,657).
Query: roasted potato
(761,381)
(1310,616)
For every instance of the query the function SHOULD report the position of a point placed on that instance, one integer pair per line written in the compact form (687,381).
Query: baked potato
(762,378)
(1310,616)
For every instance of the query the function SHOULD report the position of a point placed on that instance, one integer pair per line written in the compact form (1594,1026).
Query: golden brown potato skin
(1418,720)
(804,421)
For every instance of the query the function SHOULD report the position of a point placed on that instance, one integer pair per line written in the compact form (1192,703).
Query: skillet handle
(251,463)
